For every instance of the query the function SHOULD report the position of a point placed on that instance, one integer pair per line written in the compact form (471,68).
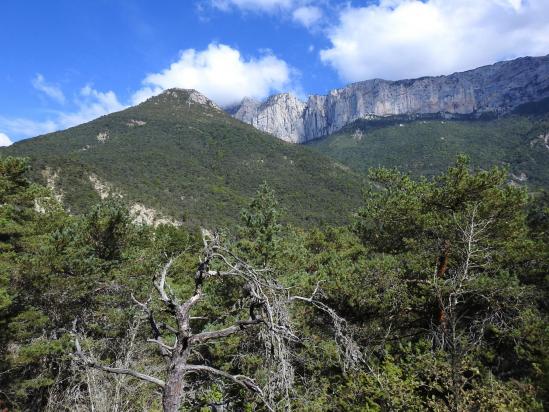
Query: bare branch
(349,351)
(129,372)
(165,350)
(238,327)
(123,371)
(242,380)
(163,345)
(160,285)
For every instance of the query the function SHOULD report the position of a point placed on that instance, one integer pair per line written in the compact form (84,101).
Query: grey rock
(183,97)
(280,115)
(495,89)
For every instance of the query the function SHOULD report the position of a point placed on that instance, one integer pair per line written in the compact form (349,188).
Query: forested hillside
(177,157)
(433,298)
(427,145)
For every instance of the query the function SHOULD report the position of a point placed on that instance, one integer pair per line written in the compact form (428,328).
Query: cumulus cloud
(51,90)
(409,38)
(23,127)
(253,5)
(5,140)
(90,104)
(221,73)
(307,15)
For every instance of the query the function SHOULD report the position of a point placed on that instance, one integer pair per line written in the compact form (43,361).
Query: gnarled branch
(91,363)
(217,334)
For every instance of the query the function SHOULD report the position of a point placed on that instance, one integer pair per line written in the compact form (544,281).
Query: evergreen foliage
(191,162)
(427,146)
(442,282)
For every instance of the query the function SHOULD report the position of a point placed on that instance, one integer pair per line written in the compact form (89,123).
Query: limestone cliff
(496,89)
(280,115)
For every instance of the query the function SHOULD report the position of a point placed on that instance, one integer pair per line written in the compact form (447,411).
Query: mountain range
(486,91)
(179,158)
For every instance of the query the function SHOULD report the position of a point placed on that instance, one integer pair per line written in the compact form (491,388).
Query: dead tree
(463,328)
(268,307)
(88,389)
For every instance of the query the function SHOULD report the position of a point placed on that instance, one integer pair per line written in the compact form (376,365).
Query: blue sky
(66,62)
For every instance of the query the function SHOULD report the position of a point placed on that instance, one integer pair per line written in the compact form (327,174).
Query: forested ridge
(433,298)
(188,161)
(426,145)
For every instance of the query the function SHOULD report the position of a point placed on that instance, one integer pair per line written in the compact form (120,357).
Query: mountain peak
(177,158)
(184,96)
(287,96)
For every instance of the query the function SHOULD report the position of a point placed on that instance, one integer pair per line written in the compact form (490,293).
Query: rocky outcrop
(495,89)
(182,98)
(140,214)
(280,115)
(52,182)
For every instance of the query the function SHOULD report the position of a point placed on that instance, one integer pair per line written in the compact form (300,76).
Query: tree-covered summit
(184,158)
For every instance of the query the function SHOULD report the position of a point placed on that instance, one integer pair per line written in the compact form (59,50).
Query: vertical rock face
(245,111)
(498,89)
(280,115)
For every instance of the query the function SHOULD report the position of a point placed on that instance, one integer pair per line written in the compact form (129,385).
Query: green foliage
(191,162)
(106,228)
(378,273)
(399,212)
(261,225)
(426,147)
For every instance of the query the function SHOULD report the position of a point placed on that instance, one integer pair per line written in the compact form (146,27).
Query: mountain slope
(492,90)
(178,156)
(426,146)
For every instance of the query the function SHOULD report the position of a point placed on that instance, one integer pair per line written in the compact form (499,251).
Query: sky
(65,62)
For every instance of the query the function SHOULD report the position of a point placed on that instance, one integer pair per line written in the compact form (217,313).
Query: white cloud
(22,127)
(50,90)
(253,5)
(222,74)
(5,140)
(307,15)
(409,38)
(90,104)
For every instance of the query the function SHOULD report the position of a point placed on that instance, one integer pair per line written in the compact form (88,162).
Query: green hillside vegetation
(189,161)
(434,298)
(427,146)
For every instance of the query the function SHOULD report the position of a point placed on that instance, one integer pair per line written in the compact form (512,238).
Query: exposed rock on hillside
(280,115)
(495,89)
(140,214)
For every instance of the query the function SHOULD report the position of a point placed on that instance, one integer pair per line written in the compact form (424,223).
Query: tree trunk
(442,266)
(174,387)
(173,391)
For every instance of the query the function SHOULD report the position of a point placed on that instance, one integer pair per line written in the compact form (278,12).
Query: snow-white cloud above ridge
(304,12)
(90,105)
(51,90)
(398,39)
(221,73)
(4,140)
